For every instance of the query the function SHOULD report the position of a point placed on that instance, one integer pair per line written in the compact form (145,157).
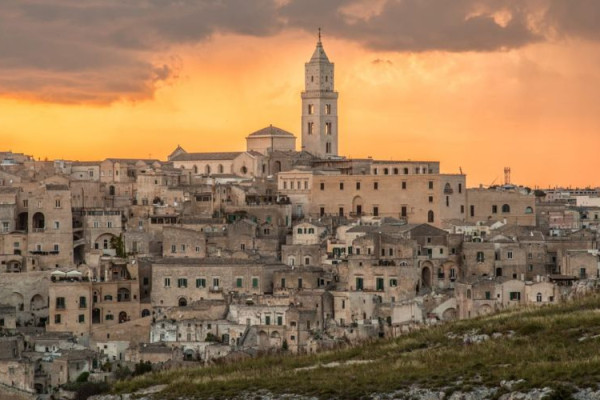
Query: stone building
(416,198)
(179,282)
(515,207)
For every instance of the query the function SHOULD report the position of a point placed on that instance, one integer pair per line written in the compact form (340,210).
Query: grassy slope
(544,350)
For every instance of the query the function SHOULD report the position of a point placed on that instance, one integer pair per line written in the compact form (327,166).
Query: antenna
(319,34)
(507,175)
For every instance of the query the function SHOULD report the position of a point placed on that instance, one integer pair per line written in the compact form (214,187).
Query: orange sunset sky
(474,84)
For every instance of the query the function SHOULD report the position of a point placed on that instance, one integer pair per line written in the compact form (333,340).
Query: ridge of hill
(548,351)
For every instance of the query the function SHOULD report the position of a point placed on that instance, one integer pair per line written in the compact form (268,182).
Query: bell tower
(319,106)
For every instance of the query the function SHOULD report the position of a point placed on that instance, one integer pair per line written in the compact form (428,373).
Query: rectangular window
(82,302)
(25,203)
(327,109)
(267,320)
(167,282)
(460,188)
(403,211)
(328,128)
(57,318)
(494,209)
(431,199)
(376,211)
(96,224)
(200,283)
(57,203)
(322,185)
(379,284)
(109,224)
(81,318)
(393,282)
(56,225)
(480,256)
(515,296)
(173,248)
(216,283)
(310,128)
(472,211)
(283,283)
(60,303)
(182,282)
(254,283)
(239,282)
(430,185)
(56,248)
(311,109)
(509,255)
(183,248)
(5,227)
(488,296)
(462,209)
(341,211)
(359,284)
(341,185)
(403,185)
(375,185)
(357,185)
(279,320)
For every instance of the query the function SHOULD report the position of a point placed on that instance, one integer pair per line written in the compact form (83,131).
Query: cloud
(97,51)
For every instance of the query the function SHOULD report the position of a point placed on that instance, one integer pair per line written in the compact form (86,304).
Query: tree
(116,242)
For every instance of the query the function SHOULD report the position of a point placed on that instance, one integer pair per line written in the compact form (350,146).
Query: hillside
(553,346)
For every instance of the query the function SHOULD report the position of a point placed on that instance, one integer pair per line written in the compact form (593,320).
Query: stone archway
(357,205)
(263,340)
(485,309)
(449,314)
(275,339)
(37,303)
(426,276)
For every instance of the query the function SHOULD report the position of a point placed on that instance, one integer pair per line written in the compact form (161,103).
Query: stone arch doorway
(357,205)
(426,277)
(182,302)
(263,340)
(449,314)
(123,317)
(37,303)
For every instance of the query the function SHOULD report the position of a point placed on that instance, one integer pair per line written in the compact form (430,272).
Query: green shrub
(83,377)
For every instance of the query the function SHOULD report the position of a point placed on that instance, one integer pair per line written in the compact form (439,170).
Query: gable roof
(271,131)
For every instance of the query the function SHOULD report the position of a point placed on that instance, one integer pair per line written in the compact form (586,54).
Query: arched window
(306,260)
(468,293)
(291,261)
(430,217)
(538,298)
(182,302)
(386,171)
(244,170)
(111,190)
(448,189)
(221,169)
(528,210)
(207,170)
(195,169)
(505,208)
(395,171)
(39,221)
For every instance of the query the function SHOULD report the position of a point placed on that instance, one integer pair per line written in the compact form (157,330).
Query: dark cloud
(102,51)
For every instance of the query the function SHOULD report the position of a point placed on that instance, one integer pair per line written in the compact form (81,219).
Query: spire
(319,53)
